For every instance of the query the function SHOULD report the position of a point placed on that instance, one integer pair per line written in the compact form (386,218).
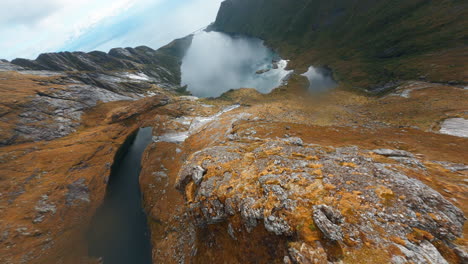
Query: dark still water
(119,232)
(217,62)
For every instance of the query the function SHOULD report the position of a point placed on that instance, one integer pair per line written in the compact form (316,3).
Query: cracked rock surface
(338,197)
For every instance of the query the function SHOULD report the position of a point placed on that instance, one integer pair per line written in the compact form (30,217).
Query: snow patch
(195,125)
(138,76)
(150,94)
(188,98)
(184,120)
(177,137)
(455,127)
(406,90)
(41,73)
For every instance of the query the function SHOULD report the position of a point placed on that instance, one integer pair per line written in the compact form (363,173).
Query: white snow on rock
(455,127)
(195,125)
(189,98)
(7,66)
(41,73)
(138,76)
(406,90)
(199,122)
(177,137)
(150,94)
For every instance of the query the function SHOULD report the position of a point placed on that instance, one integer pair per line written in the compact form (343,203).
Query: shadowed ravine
(119,231)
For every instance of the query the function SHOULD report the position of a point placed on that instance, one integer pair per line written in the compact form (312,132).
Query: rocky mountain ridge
(161,66)
(53,91)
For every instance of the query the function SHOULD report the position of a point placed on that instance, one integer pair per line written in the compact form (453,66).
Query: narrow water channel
(119,232)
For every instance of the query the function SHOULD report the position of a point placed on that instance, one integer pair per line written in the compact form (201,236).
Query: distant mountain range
(162,65)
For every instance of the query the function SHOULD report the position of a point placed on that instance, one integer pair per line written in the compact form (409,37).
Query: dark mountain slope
(162,64)
(367,42)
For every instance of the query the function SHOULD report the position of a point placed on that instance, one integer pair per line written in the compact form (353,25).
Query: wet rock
(409,161)
(294,141)
(250,214)
(39,219)
(77,192)
(231,232)
(160,175)
(262,71)
(229,206)
(423,253)
(213,211)
(194,173)
(233,137)
(197,174)
(462,254)
(23,231)
(398,260)
(43,206)
(328,220)
(57,112)
(276,190)
(393,153)
(453,166)
(303,253)
(4,235)
(277,225)
(7,66)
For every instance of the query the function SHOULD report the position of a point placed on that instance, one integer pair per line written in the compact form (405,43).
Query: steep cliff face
(367,43)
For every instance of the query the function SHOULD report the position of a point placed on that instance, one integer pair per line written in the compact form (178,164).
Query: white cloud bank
(31,27)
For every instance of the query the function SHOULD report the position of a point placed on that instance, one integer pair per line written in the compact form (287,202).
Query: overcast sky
(31,27)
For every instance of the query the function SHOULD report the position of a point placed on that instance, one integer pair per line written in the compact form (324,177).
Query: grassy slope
(367,42)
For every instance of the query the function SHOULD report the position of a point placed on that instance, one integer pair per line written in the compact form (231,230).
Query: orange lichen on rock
(419,235)
(384,193)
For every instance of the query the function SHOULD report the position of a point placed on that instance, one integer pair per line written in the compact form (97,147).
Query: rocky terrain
(47,97)
(249,178)
(285,177)
(161,66)
(280,181)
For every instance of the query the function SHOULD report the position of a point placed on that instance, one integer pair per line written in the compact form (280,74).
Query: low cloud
(31,27)
(217,62)
(26,12)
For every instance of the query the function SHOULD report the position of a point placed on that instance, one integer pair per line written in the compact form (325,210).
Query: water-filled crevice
(119,232)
